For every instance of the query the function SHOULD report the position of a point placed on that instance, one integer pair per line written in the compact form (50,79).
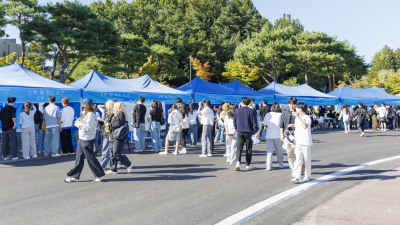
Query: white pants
(302,152)
(231,147)
(291,157)
(28,141)
(274,144)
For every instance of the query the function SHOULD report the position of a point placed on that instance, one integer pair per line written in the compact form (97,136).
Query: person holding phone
(207,120)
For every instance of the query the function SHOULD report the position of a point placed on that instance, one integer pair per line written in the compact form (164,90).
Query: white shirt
(230,128)
(219,118)
(351,110)
(67,117)
(207,116)
(271,120)
(192,118)
(174,117)
(303,136)
(87,127)
(345,115)
(382,111)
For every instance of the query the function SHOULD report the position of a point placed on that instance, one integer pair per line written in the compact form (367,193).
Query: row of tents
(26,85)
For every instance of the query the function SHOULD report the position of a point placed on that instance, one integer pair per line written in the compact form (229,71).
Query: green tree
(240,72)
(76,31)
(385,59)
(287,21)
(133,52)
(3,20)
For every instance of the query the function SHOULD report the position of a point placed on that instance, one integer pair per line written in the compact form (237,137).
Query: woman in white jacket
(346,115)
(175,128)
(273,135)
(87,126)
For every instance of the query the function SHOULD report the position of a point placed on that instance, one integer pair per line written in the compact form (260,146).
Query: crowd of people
(235,125)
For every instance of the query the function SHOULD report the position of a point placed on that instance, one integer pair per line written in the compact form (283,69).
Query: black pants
(66,141)
(243,138)
(115,155)
(182,141)
(199,132)
(370,123)
(360,125)
(390,124)
(84,150)
(9,143)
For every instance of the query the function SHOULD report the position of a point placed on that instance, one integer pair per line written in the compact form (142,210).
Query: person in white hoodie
(346,115)
(87,126)
(28,131)
(67,119)
(273,136)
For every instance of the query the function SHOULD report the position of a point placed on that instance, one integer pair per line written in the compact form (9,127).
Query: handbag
(176,128)
(122,132)
(76,137)
(43,125)
(185,123)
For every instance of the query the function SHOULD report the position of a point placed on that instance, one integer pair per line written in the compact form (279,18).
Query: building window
(4,54)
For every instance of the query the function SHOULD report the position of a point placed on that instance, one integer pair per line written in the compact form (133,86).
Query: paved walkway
(374,201)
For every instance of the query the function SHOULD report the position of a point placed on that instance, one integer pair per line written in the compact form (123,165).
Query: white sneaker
(362,134)
(306,179)
(237,167)
(15,158)
(6,158)
(250,167)
(202,156)
(268,168)
(184,151)
(209,155)
(232,163)
(296,180)
(27,157)
(225,155)
(136,151)
(175,152)
(163,153)
(56,155)
(189,145)
(110,172)
(281,166)
(35,156)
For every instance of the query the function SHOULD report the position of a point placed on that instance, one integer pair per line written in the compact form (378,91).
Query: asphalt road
(184,189)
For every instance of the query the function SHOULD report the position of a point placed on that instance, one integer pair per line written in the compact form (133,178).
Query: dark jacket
(245,120)
(391,113)
(102,125)
(116,122)
(285,119)
(360,114)
(263,111)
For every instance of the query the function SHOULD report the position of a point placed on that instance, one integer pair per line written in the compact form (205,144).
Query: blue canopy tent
(244,91)
(101,88)
(218,93)
(303,93)
(367,96)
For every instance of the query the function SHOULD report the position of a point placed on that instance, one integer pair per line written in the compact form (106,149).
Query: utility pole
(190,68)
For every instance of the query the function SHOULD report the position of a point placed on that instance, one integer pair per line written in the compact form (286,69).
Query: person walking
(175,128)
(207,120)
(67,120)
(345,115)
(287,124)
(27,122)
(87,126)
(118,119)
(231,136)
(38,118)
(193,121)
(185,127)
(245,123)
(220,136)
(263,111)
(382,111)
(390,116)
(139,112)
(107,112)
(52,119)
(273,136)
(9,134)
(360,115)
(155,120)
(303,143)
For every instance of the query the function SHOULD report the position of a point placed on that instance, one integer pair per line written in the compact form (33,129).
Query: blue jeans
(139,137)
(52,140)
(346,126)
(193,134)
(38,135)
(220,133)
(105,153)
(155,136)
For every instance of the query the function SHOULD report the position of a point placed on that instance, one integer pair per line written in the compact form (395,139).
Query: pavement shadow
(42,161)
(368,175)
(155,178)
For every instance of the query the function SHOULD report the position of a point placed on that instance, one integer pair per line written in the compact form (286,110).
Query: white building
(8,46)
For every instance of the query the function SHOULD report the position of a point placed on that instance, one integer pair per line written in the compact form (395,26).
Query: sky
(369,25)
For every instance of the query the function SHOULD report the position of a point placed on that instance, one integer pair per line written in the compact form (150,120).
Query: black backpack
(122,132)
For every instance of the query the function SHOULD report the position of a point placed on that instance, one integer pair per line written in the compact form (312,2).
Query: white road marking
(260,207)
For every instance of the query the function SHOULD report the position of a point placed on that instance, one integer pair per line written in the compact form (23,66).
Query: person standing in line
(360,115)
(175,128)
(27,122)
(273,136)
(345,115)
(118,119)
(9,134)
(303,143)
(52,119)
(140,112)
(96,142)
(382,111)
(252,104)
(311,113)
(287,123)
(87,126)
(374,116)
(396,117)
(231,136)
(193,119)
(220,125)
(390,116)
(185,131)
(207,120)
(155,118)
(105,119)
(245,122)
(263,111)
(67,120)
(38,118)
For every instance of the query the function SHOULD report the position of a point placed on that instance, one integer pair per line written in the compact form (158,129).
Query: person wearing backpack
(360,115)
(87,126)
(116,145)
(185,127)
(390,115)
(38,118)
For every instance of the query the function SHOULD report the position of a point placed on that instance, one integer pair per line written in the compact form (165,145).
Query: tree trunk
(127,71)
(64,67)
(329,80)
(23,53)
(274,69)
(76,64)
(306,71)
(53,70)
(333,81)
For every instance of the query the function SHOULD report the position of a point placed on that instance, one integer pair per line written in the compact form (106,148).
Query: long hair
(27,107)
(87,109)
(226,107)
(191,107)
(182,109)
(110,103)
(346,109)
(275,107)
(159,104)
(232,110)
(119,107)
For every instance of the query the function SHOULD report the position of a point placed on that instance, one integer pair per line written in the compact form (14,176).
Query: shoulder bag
(122,132)
(43,126)
(185,123)
(176,128)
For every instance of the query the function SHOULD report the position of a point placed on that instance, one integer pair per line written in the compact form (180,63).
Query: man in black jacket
(360,115)
(391,114)
(287,124)
(263,111)
(8,122)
